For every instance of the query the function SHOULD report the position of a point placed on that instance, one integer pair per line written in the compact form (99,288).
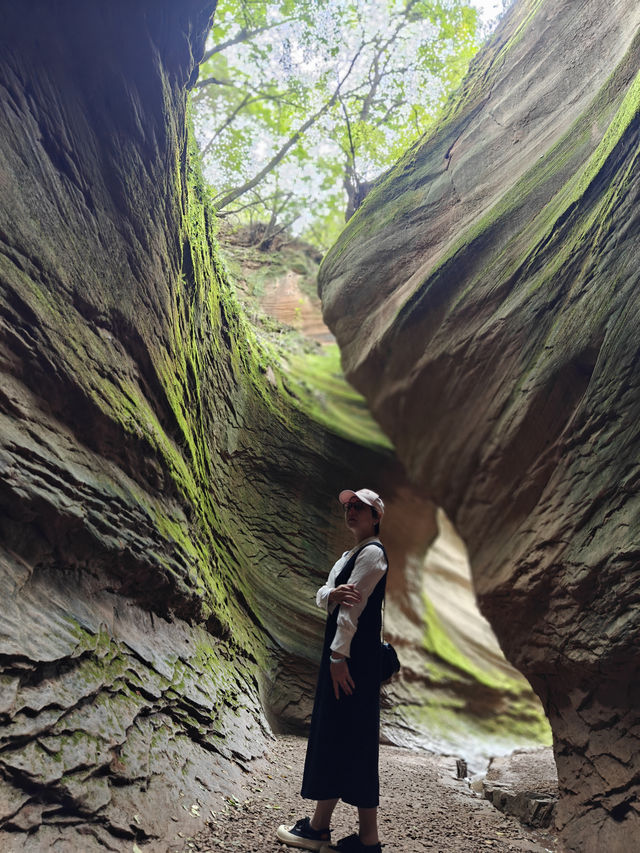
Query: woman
(342,753)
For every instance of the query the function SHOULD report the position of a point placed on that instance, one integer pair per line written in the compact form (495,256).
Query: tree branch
(262,95)
(238,191)
(214,81)
(242,35)
(351,145)
(243,103)
(284,227)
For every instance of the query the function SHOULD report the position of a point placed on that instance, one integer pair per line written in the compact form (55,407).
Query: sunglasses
(357,505)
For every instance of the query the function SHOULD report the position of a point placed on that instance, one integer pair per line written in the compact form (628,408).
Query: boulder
(524,784)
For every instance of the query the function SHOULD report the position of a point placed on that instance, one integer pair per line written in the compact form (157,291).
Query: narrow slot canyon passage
(241,271)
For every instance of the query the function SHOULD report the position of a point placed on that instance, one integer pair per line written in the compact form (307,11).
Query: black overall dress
(342,753)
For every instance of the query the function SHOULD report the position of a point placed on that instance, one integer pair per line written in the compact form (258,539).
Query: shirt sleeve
(370,566)
(322,595)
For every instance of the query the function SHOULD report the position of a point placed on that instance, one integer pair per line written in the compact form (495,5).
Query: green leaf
(330,92)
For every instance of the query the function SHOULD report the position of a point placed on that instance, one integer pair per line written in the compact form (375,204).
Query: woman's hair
(376,528)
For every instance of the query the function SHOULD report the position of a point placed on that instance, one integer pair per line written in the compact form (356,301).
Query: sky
(489,9)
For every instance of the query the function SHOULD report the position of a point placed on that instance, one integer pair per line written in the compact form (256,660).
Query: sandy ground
(422,807)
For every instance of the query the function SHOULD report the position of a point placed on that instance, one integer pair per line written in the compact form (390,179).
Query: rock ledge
(524,784)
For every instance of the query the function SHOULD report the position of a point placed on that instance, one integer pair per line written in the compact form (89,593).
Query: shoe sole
(292,840)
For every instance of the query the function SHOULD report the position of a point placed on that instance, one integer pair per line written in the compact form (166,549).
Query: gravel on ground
(423,807)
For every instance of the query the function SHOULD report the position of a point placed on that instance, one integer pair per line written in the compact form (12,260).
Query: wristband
(335,660)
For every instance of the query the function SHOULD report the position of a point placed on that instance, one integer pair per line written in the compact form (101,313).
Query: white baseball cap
(366,496)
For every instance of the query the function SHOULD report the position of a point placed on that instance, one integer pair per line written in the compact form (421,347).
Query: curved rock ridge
(457,694)
(485,300)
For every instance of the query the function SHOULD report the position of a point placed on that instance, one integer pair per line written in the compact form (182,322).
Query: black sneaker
(303,835)
(351,844)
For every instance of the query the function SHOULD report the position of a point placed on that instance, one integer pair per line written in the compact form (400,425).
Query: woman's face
(359,520)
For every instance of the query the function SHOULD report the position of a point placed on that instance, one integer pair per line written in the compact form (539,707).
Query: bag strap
(386,556)
(382,620)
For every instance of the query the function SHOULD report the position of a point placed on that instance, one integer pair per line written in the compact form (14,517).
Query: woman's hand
(341,678)
(346,594)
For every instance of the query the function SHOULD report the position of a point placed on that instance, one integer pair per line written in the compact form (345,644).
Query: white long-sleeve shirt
(369,567)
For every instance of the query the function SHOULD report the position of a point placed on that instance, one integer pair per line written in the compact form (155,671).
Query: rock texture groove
(485,297)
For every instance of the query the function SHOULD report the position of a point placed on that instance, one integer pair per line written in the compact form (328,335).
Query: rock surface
(524,784)
(157,491)
(280,281)
(457,692)
(167,506)
(485,298)
(166,509)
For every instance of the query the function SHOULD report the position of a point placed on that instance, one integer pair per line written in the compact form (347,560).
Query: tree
(300,105)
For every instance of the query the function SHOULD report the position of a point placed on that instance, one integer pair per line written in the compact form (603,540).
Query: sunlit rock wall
(486,301)
(457,693)
(279,281)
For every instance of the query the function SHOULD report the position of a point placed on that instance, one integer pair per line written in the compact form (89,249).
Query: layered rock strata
(523,784)
(166,511)
(167,508)
(457,693)
(485,298)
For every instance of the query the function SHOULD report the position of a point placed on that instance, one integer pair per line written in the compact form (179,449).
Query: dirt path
(423,808)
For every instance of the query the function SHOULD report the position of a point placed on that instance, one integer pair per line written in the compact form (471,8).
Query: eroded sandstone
(158,494)
(167,507)
(524,784)
(485,298)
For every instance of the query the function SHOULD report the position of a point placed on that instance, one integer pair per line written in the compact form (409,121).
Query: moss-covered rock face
(166,510)
(167,479)
(167,490)
(485,299)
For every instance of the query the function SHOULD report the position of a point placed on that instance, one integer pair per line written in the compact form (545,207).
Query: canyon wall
(167,505)
(166,509)
(485,298)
